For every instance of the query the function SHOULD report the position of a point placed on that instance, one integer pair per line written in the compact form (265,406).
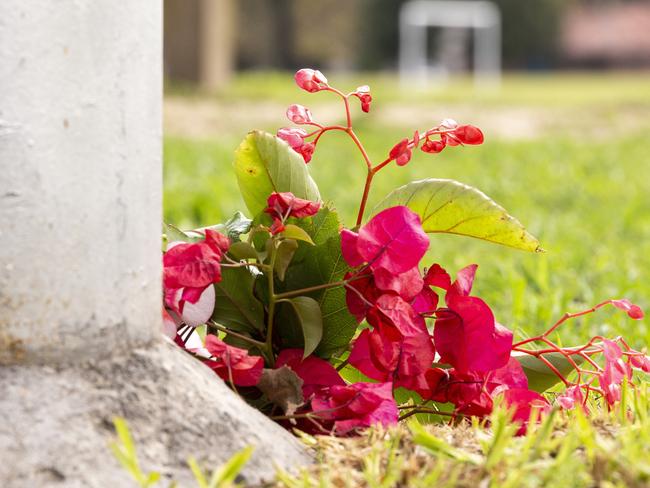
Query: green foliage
(566,449)
(283,255)
(310,317)
(124,451)
(323,263)
(236,305)
(265,164)
(447,206)
(223,477)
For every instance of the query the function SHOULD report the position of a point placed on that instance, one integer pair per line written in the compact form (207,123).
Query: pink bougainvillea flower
(361,293)
(425,302)
(472,393)
(633,311)
(401,152)
(299,114)
(363,94)
(349,248)
(438,277)
(232,363)
(467,337)
(614,372)
(466,334)
(316,373)
(356,406)
(393,239)
(195,265)
(523,402)
(189,270)
(571,398)
(406,285)
(398,348)
(287,204)
(311,80)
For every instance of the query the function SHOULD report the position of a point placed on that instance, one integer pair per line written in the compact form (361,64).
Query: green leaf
(540,376)
(316,265)
(265,164)
(235,226)
(311,321)
(439,447)
(292,231)
(236,306)
(283,256)
(225,476)
(242,250)
(447,206)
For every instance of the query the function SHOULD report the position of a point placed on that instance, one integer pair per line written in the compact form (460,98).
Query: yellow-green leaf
(265,164)
(447,206)
(292,231)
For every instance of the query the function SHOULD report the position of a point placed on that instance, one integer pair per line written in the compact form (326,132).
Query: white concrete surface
(80,177)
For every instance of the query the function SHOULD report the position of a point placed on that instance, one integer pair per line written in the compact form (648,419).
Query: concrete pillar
(80,262)
(80,179)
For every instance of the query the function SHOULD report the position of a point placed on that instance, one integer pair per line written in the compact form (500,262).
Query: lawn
(568,155)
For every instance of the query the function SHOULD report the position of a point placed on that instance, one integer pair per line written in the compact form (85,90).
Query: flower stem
(272,300)
(222,328)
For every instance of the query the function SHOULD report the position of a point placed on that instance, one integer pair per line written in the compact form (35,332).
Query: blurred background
(561,89)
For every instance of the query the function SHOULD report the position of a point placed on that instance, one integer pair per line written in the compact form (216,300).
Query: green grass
(587,201)
(564,450)
(567,89)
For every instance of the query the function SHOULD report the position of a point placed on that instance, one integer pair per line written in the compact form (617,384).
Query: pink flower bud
(310,80)
(363,94)
(294,136)
(307,151)
(298,114)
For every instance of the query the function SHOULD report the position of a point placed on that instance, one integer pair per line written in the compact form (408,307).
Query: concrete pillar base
(57,422)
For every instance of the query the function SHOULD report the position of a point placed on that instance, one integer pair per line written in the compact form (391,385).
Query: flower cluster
(408,326)
(189,271)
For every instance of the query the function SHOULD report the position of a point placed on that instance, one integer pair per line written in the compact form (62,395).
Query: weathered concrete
(81,178)
(80,266)
(56,422)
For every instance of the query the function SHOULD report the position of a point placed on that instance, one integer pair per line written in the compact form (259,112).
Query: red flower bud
(298,114)
(468,134)
(433,147)
(363,94)
(311,80)
(401,152)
